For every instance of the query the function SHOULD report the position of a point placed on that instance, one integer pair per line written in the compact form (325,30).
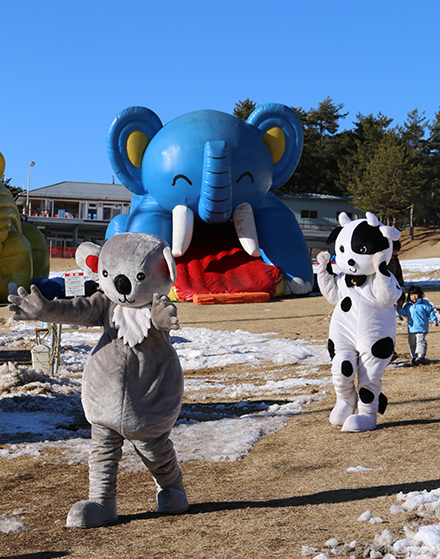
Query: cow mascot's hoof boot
(360,422)
(90,514)
(343,409)
(133,382)
(363,324)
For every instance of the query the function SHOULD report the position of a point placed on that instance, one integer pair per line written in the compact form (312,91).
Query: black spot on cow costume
(363,324)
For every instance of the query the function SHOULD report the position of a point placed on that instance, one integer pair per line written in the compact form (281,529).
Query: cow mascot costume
(363,324)
(133,381)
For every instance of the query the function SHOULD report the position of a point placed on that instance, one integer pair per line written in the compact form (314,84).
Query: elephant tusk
(244,222)
(183,225)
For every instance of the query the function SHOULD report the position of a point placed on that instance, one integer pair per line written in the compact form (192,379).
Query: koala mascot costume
(363,324)
(133,381)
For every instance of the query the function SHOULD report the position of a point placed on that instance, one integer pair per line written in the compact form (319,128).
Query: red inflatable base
(230,298)
(215,263)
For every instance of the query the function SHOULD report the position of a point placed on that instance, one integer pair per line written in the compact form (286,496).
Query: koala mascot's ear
(283,134)
(87,258)
(127,140)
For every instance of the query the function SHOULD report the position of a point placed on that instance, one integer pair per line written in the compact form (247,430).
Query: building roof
(313,196)
(81,190)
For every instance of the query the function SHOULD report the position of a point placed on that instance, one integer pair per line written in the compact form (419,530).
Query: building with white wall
(68,213)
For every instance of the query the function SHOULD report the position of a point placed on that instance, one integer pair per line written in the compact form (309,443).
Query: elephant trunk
(215,204)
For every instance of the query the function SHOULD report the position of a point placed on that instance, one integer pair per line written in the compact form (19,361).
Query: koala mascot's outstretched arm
(81,311)
(326,279)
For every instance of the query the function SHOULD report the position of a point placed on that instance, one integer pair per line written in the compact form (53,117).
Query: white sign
(74,284)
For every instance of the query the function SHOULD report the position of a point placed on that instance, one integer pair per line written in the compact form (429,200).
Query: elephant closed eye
(246,174)
(181,177)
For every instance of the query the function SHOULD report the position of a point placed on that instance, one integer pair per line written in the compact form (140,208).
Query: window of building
(65,209)
(92,212)
(110,211)
(309,214)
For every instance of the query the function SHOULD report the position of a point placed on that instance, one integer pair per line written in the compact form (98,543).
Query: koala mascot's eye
(140,276)
(363,249)
(105,273)
(341,248)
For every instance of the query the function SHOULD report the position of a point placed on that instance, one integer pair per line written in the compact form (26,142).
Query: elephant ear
(283,134)
(127,139)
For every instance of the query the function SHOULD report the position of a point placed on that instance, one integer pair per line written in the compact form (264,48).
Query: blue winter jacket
(419,314)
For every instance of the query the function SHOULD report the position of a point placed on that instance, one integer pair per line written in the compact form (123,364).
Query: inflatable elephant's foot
(360,422)
(297,286)
(342,410)
(172,500)
(90,514)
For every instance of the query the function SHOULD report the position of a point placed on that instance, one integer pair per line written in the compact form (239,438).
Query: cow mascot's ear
(343,221)
(390,233)
(87,258)
(127,139)
(282,132)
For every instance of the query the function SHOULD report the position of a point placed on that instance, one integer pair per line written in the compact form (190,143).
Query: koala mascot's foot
(342,410)
(360,422)
(90,514)
(172,500)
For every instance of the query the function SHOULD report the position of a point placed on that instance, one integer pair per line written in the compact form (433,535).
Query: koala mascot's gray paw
(90,514)
(172,500)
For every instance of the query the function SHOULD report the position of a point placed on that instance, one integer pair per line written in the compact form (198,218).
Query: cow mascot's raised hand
(133,381)
(363,324)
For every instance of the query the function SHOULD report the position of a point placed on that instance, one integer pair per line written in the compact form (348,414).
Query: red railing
(62,252)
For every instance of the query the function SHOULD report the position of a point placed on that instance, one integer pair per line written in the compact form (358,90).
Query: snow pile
(35,406)
(200,348)
(9,524)
(355,469)
(18,379)
(231,439)
(38,411)
(424,502)
(424,272)
(419,541)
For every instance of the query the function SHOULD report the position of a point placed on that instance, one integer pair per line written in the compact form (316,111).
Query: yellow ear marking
(2,165)
(137,143)
(276,142)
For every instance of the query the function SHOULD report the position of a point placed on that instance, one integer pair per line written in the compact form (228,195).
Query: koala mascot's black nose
(351,262)
(122,284)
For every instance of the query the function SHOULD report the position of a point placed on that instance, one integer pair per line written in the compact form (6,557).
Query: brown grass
(292,490)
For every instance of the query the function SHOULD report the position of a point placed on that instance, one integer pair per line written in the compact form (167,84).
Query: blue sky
(69,67)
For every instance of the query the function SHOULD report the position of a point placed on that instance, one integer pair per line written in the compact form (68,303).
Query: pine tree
(387,187)
(318,170)
(361,147)
(244,108)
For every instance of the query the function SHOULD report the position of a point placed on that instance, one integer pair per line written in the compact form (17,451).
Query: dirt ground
(291,491)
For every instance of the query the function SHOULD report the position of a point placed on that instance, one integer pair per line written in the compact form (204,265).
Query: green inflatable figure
(24,256)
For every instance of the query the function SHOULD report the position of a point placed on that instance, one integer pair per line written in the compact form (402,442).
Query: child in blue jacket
(419,312)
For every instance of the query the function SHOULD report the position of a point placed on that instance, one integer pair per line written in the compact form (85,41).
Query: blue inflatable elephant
(211,168)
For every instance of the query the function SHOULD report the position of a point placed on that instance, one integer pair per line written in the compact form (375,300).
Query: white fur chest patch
(132,324)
